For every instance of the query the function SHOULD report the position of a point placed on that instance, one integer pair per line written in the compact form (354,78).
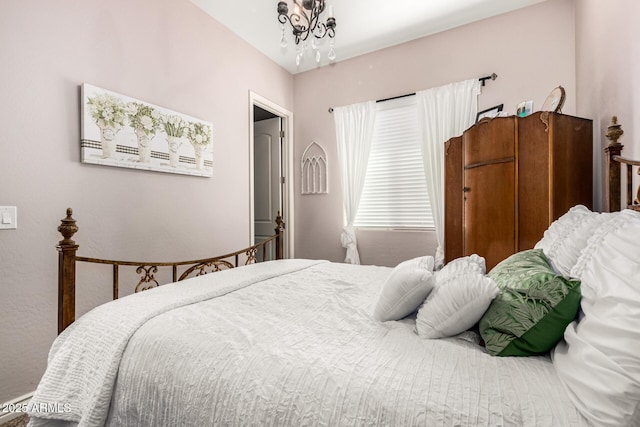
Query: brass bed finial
(614,131)
(614,165)
(68,228)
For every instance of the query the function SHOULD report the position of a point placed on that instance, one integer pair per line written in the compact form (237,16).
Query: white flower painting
(121,131)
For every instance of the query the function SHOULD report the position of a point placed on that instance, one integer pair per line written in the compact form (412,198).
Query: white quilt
(298,349)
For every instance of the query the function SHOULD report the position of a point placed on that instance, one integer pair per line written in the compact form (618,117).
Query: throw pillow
(533,308)
(566,237)
(405,289)
(455,304)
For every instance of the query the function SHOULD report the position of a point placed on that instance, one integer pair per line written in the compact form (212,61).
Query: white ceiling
(362,26)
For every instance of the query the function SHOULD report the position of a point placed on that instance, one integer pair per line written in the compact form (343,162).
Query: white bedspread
(299,349)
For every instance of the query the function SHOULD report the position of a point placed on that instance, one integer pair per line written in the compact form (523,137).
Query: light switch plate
(8,217)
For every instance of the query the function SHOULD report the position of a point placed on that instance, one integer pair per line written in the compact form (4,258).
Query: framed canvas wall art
(117,130)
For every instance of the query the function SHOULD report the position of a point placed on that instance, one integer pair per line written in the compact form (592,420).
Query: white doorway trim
(288,171)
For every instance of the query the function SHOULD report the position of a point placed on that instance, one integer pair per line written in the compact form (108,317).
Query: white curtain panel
(443,112)
(354,131)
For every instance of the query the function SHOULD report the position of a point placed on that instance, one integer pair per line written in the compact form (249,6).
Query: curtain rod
(493,76)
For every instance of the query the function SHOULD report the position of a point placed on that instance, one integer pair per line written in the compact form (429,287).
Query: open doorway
(271,169)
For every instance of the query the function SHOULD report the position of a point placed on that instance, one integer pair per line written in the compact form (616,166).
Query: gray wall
(608,76)
(166,52)
(532,50)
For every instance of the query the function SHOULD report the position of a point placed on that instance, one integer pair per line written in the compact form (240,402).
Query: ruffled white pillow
(599,361)
(405,289)
(567,236)
(461,295)
(467,263)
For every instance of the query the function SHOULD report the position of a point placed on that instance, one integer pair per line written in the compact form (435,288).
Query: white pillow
(565,238)
(599,360)
(461,295)
(452,309)
(405,289)
(467,263)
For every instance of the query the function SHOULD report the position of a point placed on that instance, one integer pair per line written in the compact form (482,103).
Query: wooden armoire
(508,178)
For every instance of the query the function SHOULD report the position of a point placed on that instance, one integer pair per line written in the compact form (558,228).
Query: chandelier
(305,21)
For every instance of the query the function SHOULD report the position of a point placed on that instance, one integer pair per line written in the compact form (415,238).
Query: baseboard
(19,402)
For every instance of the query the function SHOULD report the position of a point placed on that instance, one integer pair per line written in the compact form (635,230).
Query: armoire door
(453,183)
(489,192)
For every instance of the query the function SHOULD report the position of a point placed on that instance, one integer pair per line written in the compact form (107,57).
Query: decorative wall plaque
(314,170)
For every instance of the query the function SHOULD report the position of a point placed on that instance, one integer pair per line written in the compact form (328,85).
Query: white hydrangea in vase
(109,114)
(145,121)
(175,127)
(199,135)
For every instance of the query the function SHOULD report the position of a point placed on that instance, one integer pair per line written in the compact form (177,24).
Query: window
(395,191)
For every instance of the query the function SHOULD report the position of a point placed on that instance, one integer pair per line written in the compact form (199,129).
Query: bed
(309,342)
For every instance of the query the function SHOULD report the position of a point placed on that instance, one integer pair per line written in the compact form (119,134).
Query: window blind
(395,192)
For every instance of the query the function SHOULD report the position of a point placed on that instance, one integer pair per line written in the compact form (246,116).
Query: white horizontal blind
(395,191)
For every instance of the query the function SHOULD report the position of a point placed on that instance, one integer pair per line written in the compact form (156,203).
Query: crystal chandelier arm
(331,26)
(299,12)
(297,29)
(313,22)
(321,30)
(283,18)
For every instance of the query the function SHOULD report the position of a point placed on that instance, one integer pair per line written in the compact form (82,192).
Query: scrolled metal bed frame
(67,259)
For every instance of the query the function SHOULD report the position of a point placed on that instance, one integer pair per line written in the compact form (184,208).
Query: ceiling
(362,25)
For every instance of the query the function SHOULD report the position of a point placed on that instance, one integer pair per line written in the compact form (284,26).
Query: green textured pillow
(534,306)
